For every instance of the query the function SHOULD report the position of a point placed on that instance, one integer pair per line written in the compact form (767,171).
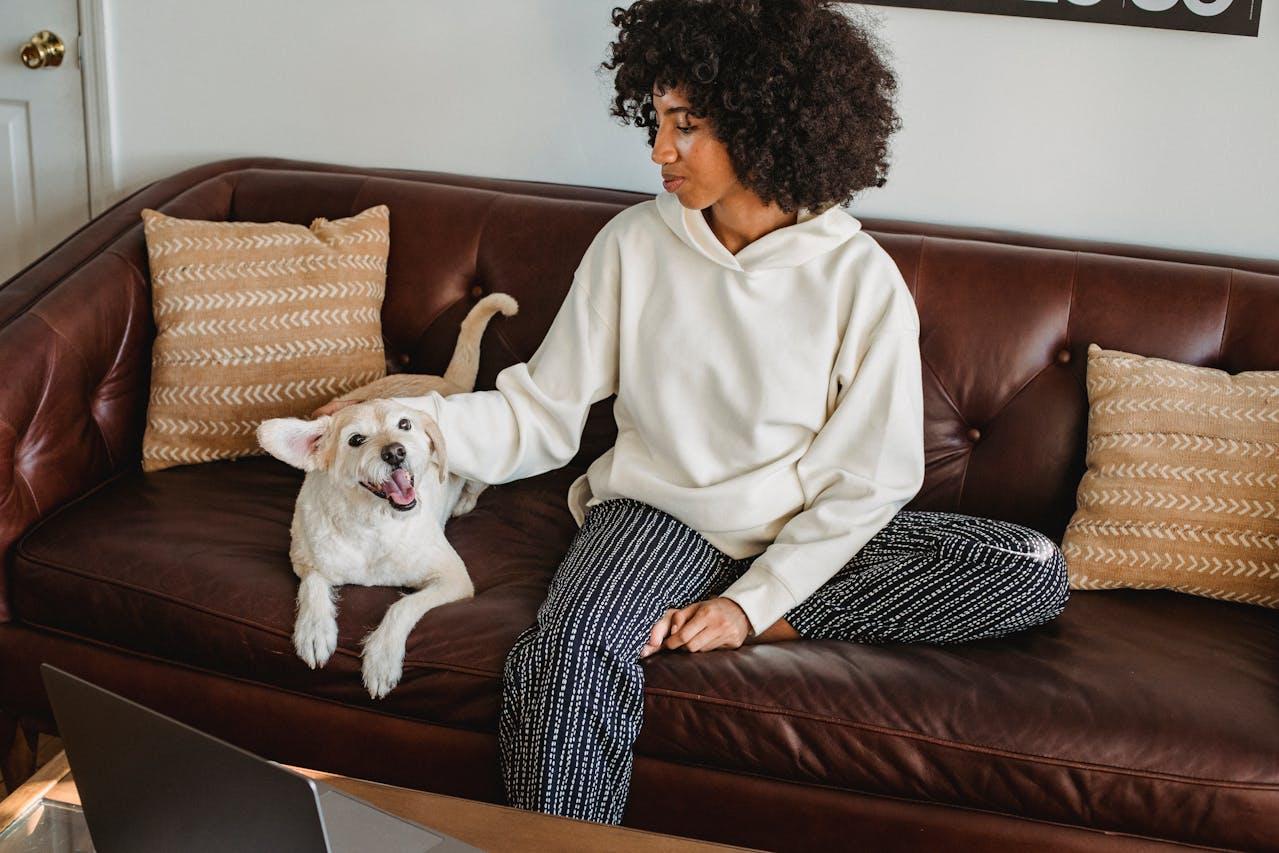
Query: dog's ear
(294,440)
(432,429)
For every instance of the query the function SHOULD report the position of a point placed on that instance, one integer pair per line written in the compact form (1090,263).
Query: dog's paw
(314,639)
(468,498)
(383,663)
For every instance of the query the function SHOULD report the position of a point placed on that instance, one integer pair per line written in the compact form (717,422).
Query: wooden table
(485,825)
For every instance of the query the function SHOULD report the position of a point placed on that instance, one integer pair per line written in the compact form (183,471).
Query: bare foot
(779,631)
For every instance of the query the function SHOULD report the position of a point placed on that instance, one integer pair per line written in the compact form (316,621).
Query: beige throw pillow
(1182,486)
(256,321)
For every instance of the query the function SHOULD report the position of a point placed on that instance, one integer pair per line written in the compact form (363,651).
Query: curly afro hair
(796,91)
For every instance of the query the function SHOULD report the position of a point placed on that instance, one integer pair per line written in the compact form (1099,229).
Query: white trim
(98,139)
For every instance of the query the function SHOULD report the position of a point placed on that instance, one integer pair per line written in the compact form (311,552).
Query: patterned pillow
(256,321)
(1182,486)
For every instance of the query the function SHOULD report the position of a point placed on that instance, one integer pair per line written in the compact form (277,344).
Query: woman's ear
(294,440)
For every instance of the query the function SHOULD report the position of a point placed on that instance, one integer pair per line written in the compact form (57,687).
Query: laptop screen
(149,783)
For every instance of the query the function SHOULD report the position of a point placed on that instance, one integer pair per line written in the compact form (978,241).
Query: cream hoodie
(771,400)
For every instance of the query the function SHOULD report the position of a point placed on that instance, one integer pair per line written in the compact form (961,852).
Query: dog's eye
(355,440)
(406,424)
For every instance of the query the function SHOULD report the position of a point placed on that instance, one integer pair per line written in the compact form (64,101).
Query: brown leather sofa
(1136,719)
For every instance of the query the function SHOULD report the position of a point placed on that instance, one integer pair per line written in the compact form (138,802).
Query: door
(44,181)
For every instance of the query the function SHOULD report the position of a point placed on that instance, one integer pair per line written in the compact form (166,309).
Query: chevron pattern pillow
(1181,490)
(256,321)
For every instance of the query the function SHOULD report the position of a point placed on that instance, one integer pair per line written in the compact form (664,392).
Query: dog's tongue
(398,488)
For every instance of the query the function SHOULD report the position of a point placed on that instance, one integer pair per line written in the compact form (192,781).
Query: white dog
(373,507)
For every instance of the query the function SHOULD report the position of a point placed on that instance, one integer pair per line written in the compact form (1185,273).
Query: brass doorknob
(45,50)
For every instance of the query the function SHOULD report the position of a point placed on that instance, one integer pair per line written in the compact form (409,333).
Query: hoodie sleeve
(532,421)
(864,465)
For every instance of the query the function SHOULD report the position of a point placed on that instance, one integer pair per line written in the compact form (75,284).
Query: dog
(373,506)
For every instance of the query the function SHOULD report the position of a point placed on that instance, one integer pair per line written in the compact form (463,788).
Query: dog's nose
(393,454)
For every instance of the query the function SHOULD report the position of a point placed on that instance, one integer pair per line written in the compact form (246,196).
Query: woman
(765,355)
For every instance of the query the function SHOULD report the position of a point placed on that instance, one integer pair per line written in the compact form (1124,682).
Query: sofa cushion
(1141,711)
(257,320)
(190,564)
(1183,468)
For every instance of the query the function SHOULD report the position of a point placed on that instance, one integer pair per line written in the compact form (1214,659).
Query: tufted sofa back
(1005,323)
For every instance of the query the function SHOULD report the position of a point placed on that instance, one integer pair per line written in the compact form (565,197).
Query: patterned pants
(573,682)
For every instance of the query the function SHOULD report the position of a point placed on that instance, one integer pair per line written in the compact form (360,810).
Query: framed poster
(1228,17)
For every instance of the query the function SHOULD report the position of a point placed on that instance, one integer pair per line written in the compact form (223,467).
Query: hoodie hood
(812,234)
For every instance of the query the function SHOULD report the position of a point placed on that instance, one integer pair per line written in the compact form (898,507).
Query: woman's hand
(331,407)
(659,633)
(702,626)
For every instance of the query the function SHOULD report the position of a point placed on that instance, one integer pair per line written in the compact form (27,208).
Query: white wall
(1098,131)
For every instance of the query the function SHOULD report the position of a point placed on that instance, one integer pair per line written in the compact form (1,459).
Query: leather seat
(191,564)
(1094,712)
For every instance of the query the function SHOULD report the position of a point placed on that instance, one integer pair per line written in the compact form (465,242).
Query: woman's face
(688,152)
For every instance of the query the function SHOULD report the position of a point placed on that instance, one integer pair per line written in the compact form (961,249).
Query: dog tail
(465,364)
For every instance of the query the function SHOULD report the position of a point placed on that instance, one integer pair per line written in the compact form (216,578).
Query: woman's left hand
(704,625)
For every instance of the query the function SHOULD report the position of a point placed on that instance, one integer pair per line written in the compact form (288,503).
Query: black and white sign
(1231,17)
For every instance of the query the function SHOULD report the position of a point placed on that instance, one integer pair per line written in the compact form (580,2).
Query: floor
(48,747)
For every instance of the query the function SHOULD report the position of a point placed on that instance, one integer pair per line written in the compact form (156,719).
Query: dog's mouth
(397,490)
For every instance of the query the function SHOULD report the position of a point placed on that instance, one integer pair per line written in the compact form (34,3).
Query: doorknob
(45,50)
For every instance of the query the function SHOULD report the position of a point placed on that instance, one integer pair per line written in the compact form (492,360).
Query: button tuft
(1063,356)
(973,433)
(404,358)
(477,291)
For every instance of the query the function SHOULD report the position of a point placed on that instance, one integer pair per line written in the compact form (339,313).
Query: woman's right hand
(331,407)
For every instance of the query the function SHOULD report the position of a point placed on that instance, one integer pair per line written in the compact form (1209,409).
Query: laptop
(150,784)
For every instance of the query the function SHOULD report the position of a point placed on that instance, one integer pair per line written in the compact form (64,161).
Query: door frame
(99,150)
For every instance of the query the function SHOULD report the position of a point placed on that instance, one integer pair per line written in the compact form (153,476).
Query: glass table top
(48,827)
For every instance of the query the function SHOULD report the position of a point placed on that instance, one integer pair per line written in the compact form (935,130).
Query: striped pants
(573,682)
